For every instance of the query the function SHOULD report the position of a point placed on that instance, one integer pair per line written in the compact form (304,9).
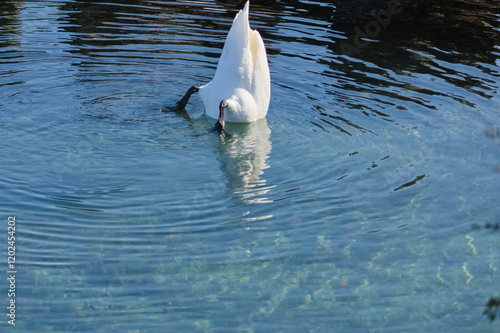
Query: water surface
(365,202)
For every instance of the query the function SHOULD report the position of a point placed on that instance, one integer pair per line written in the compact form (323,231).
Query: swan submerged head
(242,77)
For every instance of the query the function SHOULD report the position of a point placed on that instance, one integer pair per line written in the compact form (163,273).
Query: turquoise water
(365,202)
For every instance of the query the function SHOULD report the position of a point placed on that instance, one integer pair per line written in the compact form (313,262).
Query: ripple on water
(351,204)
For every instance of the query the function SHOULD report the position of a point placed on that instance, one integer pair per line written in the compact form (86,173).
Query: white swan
(241,87)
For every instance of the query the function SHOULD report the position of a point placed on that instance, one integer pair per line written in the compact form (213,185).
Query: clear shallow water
(364,202)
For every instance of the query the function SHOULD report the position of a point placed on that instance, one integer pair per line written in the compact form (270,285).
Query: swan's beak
(220,125)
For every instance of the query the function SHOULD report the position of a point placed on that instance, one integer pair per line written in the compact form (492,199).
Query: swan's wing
(242,65)
(261,79)
(235,60)
(244,60)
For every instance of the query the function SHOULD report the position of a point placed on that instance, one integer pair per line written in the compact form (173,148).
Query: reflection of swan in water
(243,159)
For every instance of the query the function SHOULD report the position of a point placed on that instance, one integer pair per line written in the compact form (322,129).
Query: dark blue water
(367,201)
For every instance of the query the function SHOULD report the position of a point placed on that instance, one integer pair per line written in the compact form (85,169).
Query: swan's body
(241,87)
(242,77)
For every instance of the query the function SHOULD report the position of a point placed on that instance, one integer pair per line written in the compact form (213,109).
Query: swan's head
(233,104)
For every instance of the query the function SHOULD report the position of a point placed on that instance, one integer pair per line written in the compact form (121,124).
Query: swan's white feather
(242,77)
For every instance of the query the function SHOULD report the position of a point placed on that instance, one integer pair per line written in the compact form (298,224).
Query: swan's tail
(242,66)
(238,34)
(244,49)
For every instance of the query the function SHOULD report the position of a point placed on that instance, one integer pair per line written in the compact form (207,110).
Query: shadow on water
(492,308)
(376,58)
(9,41)
(385,58)
(420,38)
(9,21)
